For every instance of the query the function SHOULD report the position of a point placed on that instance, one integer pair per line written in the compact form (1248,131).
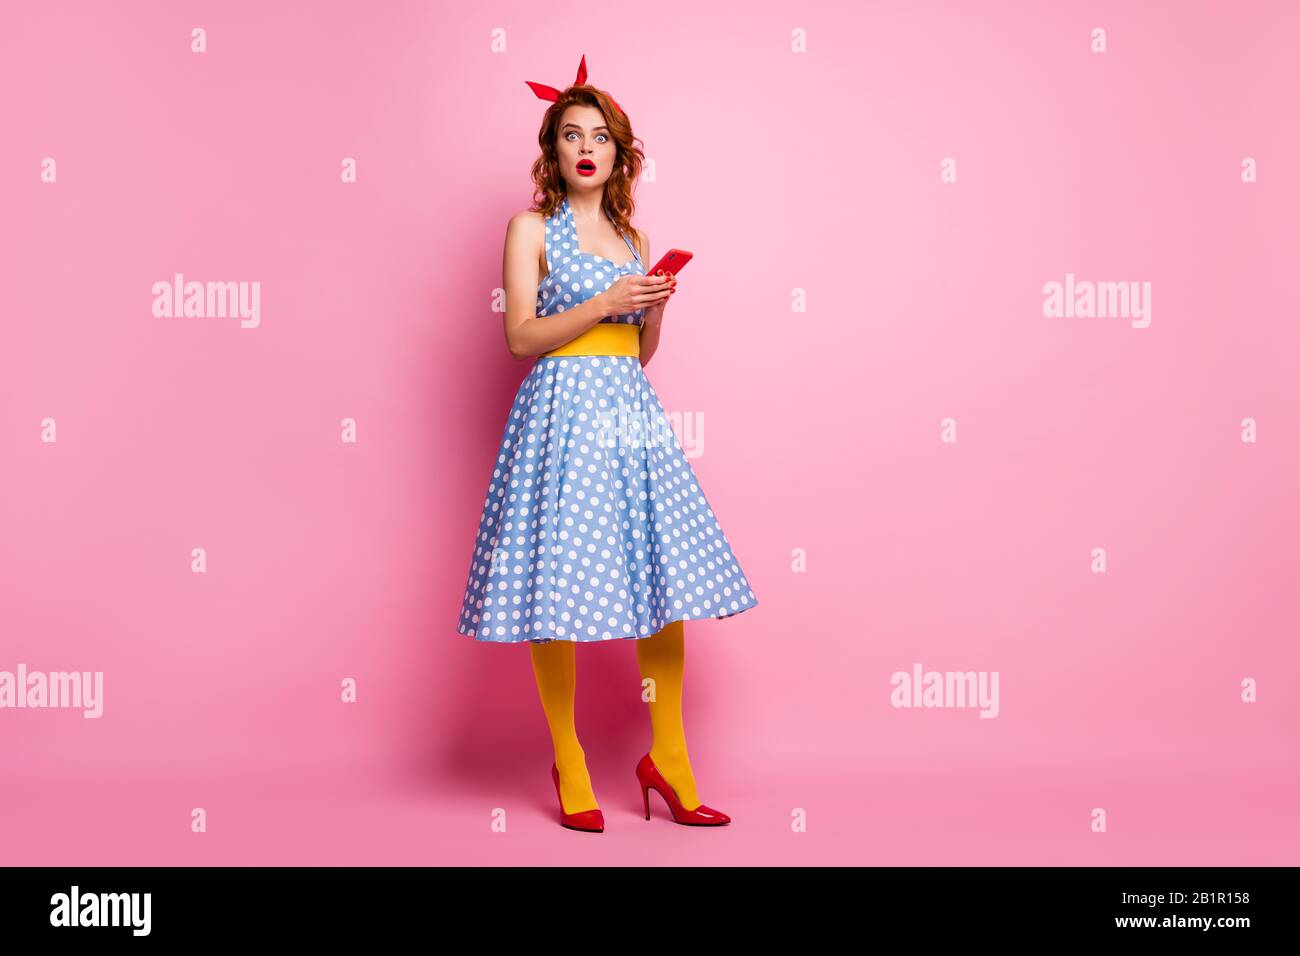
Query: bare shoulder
(527,223)
(642,243)
(526,235)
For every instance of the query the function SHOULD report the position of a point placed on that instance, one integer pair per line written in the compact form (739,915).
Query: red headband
(545,92)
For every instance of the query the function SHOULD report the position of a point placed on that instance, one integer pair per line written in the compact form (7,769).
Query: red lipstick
(586,167)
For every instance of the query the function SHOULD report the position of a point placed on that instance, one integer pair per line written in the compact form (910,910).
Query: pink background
(781,171)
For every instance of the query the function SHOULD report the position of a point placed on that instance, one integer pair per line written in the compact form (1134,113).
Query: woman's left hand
(654,314)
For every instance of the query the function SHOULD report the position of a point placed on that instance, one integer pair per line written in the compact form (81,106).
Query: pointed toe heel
(648,775)
(590,821)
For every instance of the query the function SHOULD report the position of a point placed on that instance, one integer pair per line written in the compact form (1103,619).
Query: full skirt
(594,527)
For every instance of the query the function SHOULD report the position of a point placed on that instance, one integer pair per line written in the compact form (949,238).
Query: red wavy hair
(549,185)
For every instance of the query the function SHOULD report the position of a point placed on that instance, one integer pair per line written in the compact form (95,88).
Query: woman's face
(585,147)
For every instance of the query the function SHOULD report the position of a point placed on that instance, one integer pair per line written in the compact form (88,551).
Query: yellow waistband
(603,338)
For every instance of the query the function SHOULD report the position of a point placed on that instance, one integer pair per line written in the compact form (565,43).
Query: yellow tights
(662,659)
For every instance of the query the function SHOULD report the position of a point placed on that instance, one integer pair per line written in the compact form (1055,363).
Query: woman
(594,527)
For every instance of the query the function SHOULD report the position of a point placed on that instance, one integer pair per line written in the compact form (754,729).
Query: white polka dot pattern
(573,277)
(591,531)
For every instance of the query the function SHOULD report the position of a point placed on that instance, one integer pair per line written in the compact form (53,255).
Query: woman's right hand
(633,293)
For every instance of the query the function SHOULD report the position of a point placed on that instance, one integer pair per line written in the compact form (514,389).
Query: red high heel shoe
(592,821)
(648,775)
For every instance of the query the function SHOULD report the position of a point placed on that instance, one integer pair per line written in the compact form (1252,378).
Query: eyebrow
(577,127)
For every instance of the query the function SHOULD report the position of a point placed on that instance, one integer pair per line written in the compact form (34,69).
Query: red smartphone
(672,263)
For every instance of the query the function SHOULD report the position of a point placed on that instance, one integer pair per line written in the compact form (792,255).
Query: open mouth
(586,166)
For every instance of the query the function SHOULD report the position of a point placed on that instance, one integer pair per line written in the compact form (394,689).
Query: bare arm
(526,334)
(654,315)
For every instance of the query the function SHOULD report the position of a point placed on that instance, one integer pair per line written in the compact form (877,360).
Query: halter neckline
(573,229)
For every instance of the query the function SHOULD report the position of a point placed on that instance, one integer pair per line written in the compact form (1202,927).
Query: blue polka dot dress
(594,526)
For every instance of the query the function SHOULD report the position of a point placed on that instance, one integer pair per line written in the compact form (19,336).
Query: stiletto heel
(648,775)
(591,821)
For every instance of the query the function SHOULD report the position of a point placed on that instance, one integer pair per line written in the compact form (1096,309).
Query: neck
(588,204)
